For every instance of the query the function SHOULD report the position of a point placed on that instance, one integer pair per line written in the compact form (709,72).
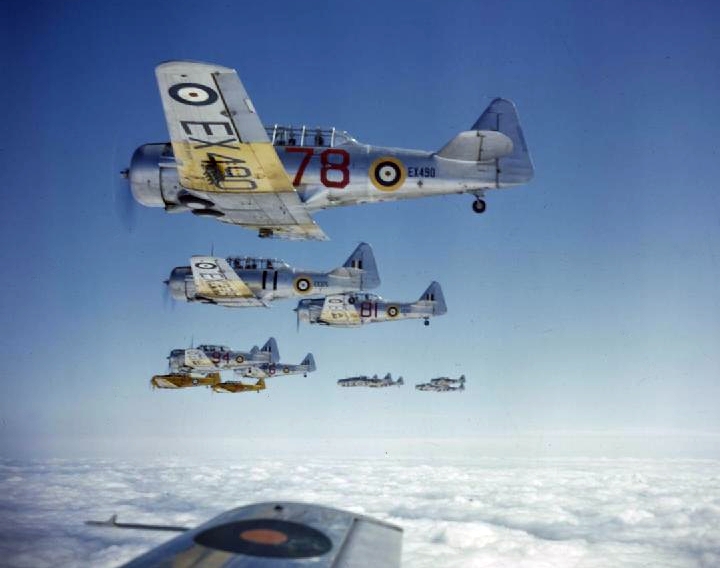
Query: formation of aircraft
(373,382)
(277,533)
(246,281)
(202,366)
(443,384)
(354,309)
(222,163)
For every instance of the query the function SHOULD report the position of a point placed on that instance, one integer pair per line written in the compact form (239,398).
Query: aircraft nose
(176,282)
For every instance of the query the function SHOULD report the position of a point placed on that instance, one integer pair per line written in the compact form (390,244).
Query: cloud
(577,513)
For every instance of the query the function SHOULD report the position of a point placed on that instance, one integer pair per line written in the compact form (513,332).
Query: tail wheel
(479,205)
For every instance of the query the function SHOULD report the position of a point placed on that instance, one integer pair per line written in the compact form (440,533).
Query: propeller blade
(123,200)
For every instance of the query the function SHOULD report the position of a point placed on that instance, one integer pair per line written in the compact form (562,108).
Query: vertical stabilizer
(434,294)
(515,168)
(363,259)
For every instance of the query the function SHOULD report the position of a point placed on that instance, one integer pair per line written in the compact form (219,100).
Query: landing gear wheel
(427,322)
(479,205)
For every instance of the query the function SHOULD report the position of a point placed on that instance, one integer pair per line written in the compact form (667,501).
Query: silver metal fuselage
(325,176)
(219,360)
(272,283)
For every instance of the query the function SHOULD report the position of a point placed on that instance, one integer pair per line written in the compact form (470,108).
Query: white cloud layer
(493,512)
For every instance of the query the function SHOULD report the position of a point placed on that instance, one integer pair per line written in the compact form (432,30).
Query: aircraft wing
(281,534)
(197,359)
(223,151)
(336,309)
(216,280)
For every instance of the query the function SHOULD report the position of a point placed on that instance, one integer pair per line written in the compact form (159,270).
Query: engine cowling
(153,175)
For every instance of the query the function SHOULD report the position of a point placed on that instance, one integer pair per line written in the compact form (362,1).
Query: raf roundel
(302,285)
(206,265)
(393,311)
(387,173)
(193,94)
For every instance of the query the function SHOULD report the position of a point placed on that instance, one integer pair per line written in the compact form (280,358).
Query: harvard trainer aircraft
(443,384)
(245,281)
(354,309)
(373,382)
(265,370)
(201,365)
(238,386)
(221,162)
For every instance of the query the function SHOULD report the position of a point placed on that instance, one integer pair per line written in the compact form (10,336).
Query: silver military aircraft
(201,365)
(443,384)
(373,382)
(245,281)
(265,370)
(278,534)
(354,309)
(221,162)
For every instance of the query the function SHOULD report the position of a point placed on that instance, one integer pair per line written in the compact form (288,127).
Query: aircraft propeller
(167,296)
(125,204)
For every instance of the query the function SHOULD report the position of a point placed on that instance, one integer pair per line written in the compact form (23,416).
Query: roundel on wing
(302,285)
(206,265)
(193,94)
(387,173)
(392,311)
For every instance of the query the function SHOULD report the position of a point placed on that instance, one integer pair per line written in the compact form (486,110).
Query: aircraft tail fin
(363,259)
(271,347)
(462,379)
(309,362)
(501,117)
(434,294)
(400,381)
(388,377)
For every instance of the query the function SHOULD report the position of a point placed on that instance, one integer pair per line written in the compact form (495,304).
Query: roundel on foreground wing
(269,538)
(206,265)
(387,173)
(302,285)
(193,94)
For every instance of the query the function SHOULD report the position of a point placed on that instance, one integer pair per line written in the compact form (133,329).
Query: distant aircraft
(201,365)
(280,534)
(373,382)
(443,384)
(223,163)
(243,282)
(354,309)
(238,386)
(265,370)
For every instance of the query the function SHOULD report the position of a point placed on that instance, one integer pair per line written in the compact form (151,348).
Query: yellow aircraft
(239,386)
(177,381)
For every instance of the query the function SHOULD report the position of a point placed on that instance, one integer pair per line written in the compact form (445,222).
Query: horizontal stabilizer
(477,146)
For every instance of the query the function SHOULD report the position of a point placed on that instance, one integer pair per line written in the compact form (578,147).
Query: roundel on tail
(387,173)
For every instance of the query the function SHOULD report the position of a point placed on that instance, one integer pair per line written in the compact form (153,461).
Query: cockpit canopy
(213,348)
(306,136)
(250,263)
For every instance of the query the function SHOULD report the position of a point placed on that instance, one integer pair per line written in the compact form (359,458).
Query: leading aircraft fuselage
(346,174)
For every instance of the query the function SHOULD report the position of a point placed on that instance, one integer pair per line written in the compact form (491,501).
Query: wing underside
(217,281)
(337,310)
(223,152)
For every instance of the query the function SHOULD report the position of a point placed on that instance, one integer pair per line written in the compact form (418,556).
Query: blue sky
(585,302)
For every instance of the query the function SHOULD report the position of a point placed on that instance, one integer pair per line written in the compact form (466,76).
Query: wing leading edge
(223,152)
